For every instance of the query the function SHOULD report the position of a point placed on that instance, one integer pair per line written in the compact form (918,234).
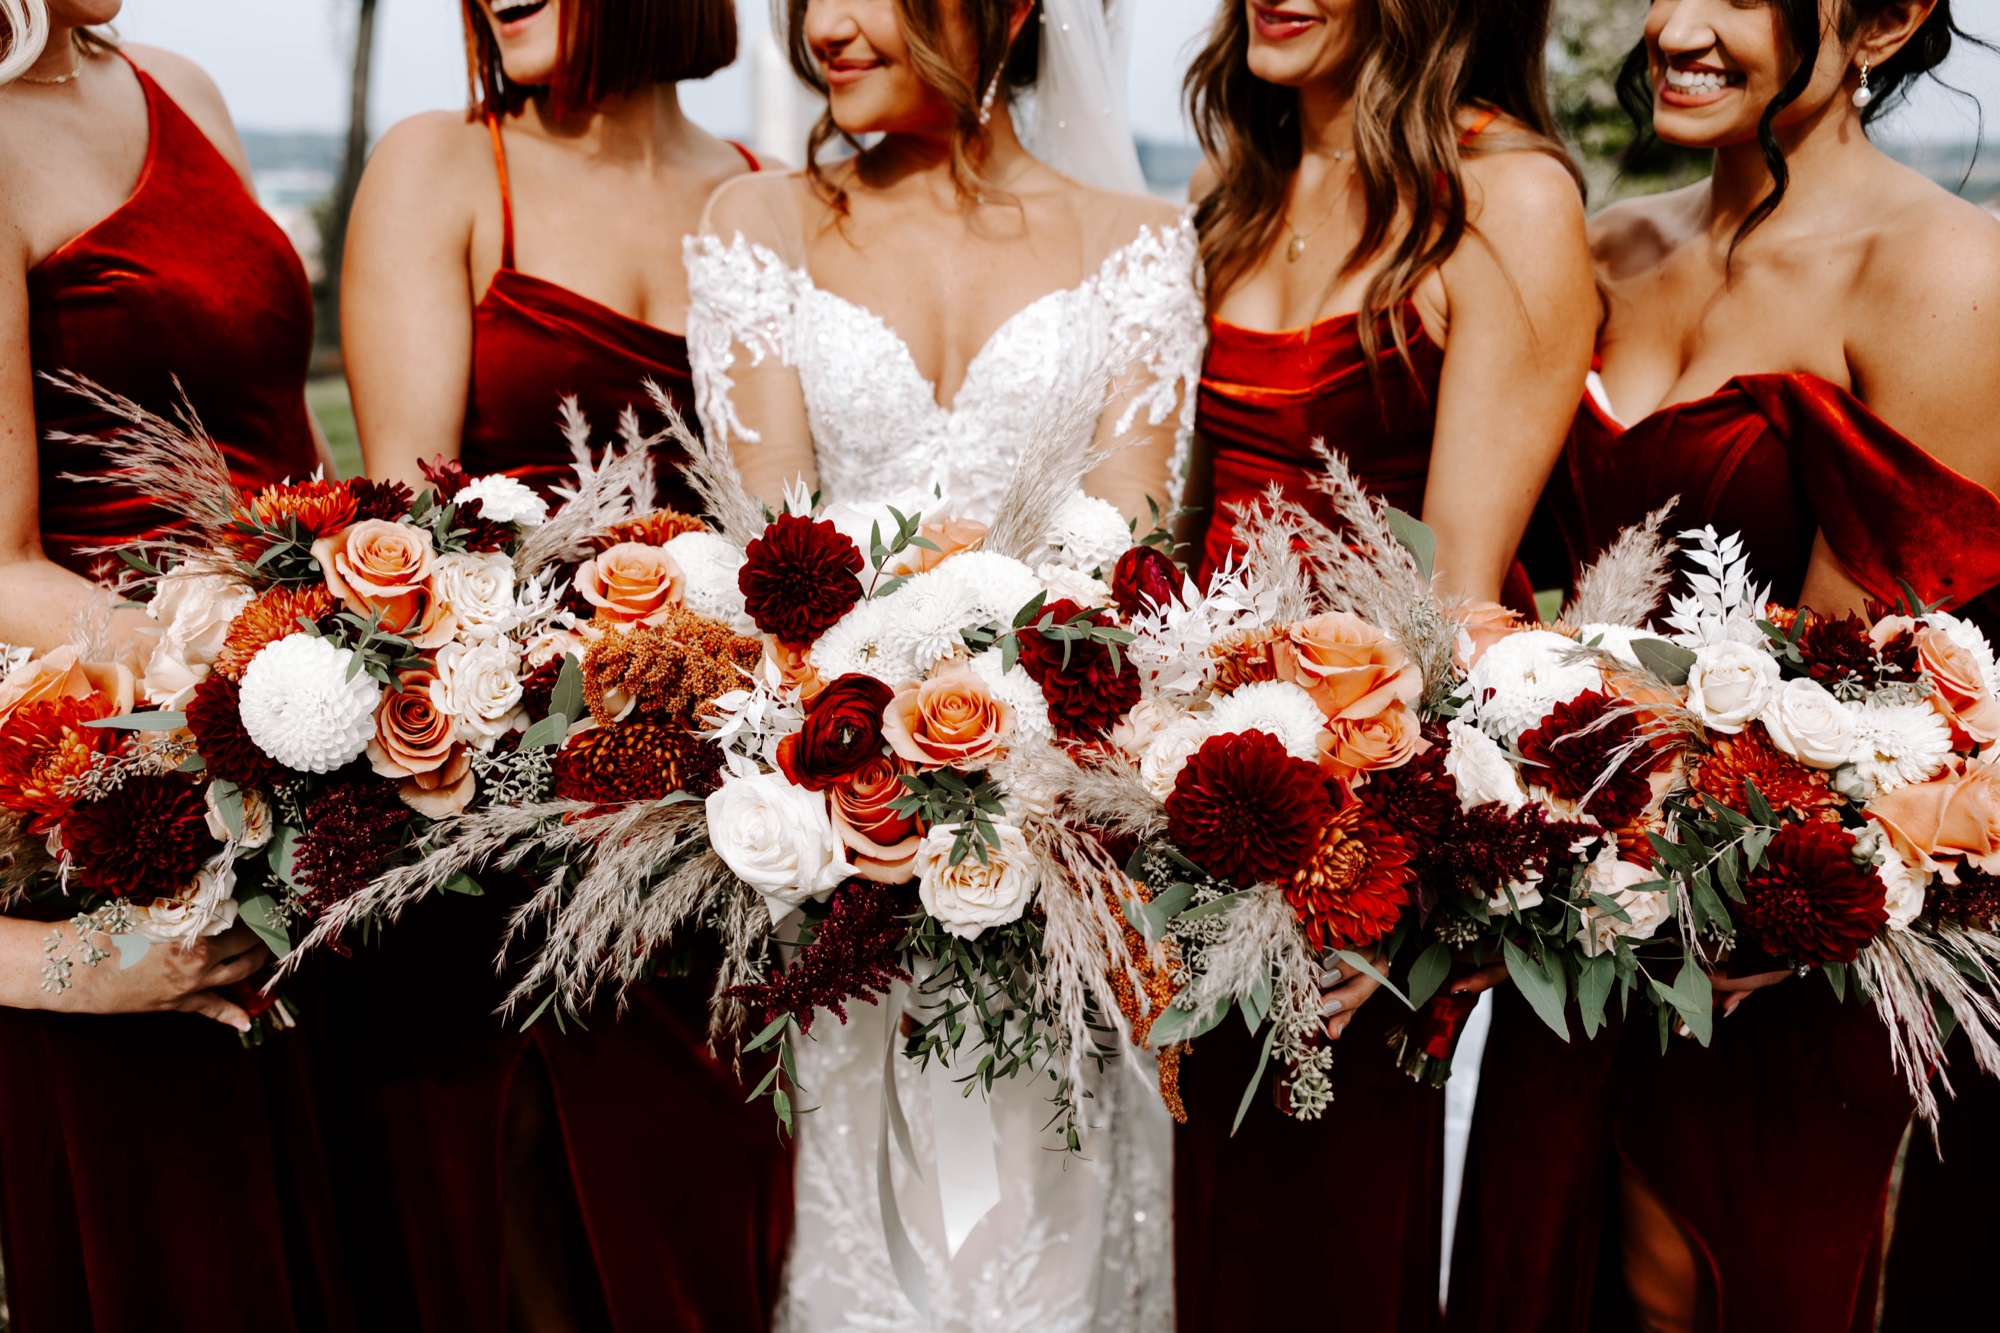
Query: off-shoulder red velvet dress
(677,1193)
(154,1174)
(1253,1244)
(1773,1145)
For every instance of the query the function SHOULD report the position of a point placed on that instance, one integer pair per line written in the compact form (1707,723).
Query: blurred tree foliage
(1591,41)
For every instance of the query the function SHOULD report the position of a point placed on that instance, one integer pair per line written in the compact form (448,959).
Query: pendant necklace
(1296,247)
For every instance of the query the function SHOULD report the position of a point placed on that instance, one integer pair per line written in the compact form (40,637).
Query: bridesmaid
(497,263)
(1800,348)
(154,1173)
(1395,248)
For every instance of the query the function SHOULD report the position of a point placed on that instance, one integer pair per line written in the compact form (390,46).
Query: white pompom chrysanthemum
(1277,708)
(922,620)
(710,565)
(1089,533)
(995,587)
(503,499)
(1519,679)
(1017,689)
(301,706)
(863,643)
(1896,744)
(1614,639)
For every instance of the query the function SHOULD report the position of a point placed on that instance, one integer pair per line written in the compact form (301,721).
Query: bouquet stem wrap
(1425,1045)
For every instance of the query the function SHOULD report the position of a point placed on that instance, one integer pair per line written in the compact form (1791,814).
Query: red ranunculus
(1144,579)
(799,578)
(1086,695)
(843,731)
(144,840)
(1246,811)
(1577,743)
(1809,901)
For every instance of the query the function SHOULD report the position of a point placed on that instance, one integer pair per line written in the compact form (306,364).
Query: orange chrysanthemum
(1780,616)
(654,529)
(1355,886)
(319,506)
(1783,782)
(275,613)
(636,761)
(44,748)
(668,671)
(1244,658)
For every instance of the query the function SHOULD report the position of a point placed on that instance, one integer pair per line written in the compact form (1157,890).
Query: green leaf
(154,721)
(465,884)
(1354,959)
(1249,1093)
(1256,1005)
(229,803)
(259,912)
(1416,538)
(769,1034)
(567,697)
(1593,988)
(1429,972)
(1669,661)
(1027,614)
(137,561)
(1836,974)
(1540,986)
(1214,905)
(548,732)
(1693,998)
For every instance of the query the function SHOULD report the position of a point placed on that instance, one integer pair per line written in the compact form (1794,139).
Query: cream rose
(778,839)
(63,674)
(631,583)
(968,897)
(478,688)
(1480,769)
(1729,684)
(476,590)
(1169,750)
(257,820)
(1809,724)
(207,907)
(197,610)
(1905,882)
(1617,881)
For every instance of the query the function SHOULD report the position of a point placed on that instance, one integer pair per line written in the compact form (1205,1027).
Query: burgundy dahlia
(226,748)
(1809,901)
(1581,741)
(1144,579)
(1246,811)
(385,500)
(143,841)
(842,733)
(799,578)
(1837,652)
(1085,692)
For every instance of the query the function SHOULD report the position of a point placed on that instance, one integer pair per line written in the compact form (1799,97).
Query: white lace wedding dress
(1075,1242)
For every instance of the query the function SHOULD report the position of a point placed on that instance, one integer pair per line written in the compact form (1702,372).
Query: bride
(894,324)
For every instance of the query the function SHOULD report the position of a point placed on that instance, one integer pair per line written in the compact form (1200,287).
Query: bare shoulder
(756,202)
(1204,181)
(1636,235)
(1113,219)
(195,93)
(1523,183)
(441,144)
(1934,255)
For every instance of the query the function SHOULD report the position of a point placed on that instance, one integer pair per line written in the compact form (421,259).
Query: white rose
(778,839)
(478,590)
(1168,751)
(207,908)
(1905,883)
(1480,768)
(197,610)
(1809,724)
(1729,684)
(546,645)
(968,897)
(505,499)
(1073,584)
(257,822)
(1616,880)
(1527,895)
(478,687)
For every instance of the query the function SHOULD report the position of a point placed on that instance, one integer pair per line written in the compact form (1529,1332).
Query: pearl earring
(1864,94)
(986,102)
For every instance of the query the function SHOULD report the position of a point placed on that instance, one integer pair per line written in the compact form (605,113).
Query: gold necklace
(1295,248)
(58,80)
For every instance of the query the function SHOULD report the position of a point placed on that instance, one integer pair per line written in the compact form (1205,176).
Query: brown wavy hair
(1424,63)
(1016,63)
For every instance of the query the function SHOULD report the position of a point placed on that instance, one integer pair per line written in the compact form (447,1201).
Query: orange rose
(1351,747)
(1351,669)
(951,720)
(949,535)
(1961,692)
(1955,815)
(1482,625)
(631,583)
(883,842)
(63,674)
(794,666)
(376,565)
(416,742)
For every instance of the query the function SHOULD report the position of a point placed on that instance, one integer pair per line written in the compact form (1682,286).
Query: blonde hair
(24,32)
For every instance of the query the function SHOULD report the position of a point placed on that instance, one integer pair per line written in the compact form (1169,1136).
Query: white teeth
(502,8)
(1696,81)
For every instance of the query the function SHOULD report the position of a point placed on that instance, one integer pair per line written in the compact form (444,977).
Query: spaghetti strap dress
(1772,1146)
(673,1195)
(154,1173)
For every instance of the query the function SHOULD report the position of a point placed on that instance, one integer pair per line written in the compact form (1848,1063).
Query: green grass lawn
(328,399)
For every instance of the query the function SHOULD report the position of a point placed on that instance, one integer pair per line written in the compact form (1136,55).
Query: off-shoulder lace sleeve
(1151,290)
(742,300)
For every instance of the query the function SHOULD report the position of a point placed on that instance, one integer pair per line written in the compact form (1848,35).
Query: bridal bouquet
(1788,791)
(335,665)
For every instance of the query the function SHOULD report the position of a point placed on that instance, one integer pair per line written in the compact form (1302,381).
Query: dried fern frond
(1625,584)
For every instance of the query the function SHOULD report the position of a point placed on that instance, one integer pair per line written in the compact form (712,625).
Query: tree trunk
(334,230)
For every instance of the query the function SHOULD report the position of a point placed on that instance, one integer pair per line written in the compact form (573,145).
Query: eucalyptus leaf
(1416,537)
(1541,987)
(259,912)
(229,803)
(1429,972)
(1354,959)
(152,721)
(1593,988)
(1669,661)
(1213,906)
(567,697)
(1256,1079)
(545,733)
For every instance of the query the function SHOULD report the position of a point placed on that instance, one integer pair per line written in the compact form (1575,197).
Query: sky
(282,63)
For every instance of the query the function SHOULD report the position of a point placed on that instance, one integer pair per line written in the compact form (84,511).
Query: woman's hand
(1346,988)
(1735,990)
(169,979)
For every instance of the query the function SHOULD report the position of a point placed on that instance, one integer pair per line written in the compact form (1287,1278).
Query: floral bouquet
(336,665)
(1788,791)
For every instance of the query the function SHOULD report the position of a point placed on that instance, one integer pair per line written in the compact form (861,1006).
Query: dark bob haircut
(608,48)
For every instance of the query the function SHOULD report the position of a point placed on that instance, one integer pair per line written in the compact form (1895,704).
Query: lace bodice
(877,427)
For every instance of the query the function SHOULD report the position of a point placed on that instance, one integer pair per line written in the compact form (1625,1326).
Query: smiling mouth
(1699,84)
(1279,24)
(516,11)
(842,72)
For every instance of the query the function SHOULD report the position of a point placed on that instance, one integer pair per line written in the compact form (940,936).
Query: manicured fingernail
(1329,1007)
(1329,976)
(241,1024)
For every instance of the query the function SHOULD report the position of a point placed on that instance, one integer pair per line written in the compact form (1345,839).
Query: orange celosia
(667,671)
(1155,966)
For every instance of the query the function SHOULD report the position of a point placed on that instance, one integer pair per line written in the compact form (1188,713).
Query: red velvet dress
(537,343)
(154,1174)
(1773,1145)
(677,1193)
(1250,1206)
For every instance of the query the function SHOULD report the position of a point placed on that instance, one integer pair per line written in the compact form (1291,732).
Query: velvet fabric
(1266,397)
(186,288)
(1941,1271)
(1773,1146)
(535,343)
(156,1175)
